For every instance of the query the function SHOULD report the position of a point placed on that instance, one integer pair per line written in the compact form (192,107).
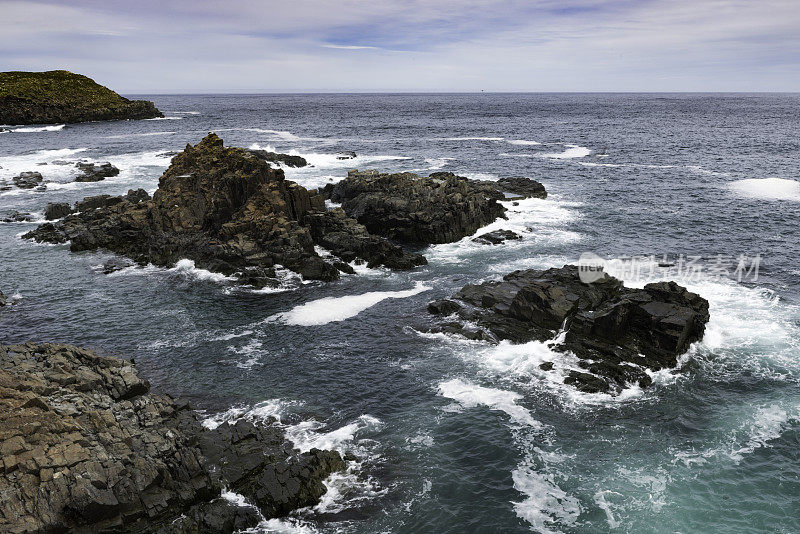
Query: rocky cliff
(60,96)
(86,447)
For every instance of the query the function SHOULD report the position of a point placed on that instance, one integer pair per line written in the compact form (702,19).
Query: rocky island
(618,334)
(440,208)
(231,212)
(87,447)
(59,96)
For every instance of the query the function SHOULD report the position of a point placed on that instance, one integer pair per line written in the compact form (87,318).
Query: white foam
(436,163)
(470,395)
(261,412)
(187,267)
(33,129)
(165,119)
(571,152)
(768,188)
(523,142)
(545,503)
(333,309)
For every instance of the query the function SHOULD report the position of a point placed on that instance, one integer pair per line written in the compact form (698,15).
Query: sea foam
(768,188)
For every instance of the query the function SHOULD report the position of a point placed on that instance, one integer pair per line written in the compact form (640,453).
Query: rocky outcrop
(87,447)
(273,157)
(56,210)
(60,96)
(408,208)
(95,172)
(617,333)
(28,179)
(521,187)
(497,237)
(227,210)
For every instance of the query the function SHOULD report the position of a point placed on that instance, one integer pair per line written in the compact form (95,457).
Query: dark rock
(228,211)
(546,366)
(408,208)
(496,237)
(274,157)
(3,299)
(346,155)
(28,179)
(95,172)
(116,264)
(617,333)
(56,210)
(4,185)
(18,216)
(59,96)
(87,447)
(522,187)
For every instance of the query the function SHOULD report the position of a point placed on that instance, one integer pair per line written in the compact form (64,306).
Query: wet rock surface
(28,179)
(497,237)
(95,172)
(287,159)
(409,208)
(57,210)
(87,447)
(225,209)
(618,334)
(18,216)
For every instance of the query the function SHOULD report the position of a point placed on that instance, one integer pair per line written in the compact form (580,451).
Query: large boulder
(56,210)
(222,207)
(617,333)
(60,96)
(87,447)
(409,208)
(95,172)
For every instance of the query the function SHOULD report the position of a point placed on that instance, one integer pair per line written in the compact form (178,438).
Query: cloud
(446,45)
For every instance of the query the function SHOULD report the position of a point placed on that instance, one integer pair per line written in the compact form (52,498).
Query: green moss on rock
(62,96)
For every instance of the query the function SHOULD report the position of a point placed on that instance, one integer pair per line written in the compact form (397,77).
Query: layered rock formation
(617,333)
(441,208)
(60,96)
(230,212)
(87,447)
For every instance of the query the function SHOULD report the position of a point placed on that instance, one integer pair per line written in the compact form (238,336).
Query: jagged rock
(227,210)
(85,446)
(28,179)
(408,208)
(60,96)
(18,216)
(522,187)
(56,210)
(274,157)
(95,172)
(617,333)
(496,237)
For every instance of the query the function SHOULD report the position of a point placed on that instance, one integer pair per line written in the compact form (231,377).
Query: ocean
(454,435)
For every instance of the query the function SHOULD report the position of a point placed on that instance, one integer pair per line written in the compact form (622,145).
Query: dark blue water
(458,436)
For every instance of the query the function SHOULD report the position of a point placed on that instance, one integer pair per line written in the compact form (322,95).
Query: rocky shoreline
(86,446)
(618,334)
(60,96)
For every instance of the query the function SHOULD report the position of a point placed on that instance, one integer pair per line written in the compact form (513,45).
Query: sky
(247,46)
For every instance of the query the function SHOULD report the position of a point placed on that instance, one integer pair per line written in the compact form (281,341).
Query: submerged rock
(95,172)
(28,179)
(346,155)
(228,211)
(408,208)
(60,96)
(56,210)
(87,447)
(3,299)
(617,333)
(497,237)
(274,157)
(18,216)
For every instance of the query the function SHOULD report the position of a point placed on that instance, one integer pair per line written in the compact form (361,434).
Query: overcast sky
(196,46)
